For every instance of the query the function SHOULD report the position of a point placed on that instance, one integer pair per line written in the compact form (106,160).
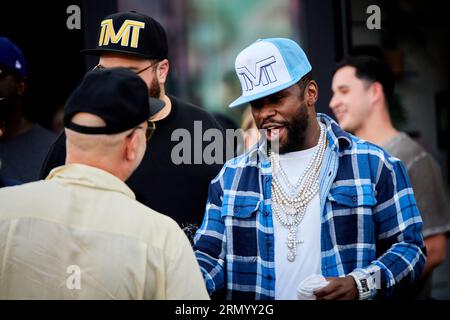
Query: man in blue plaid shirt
(322,203)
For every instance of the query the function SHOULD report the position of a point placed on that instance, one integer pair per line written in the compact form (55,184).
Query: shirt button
(354,199)
(268,244)
(266,213)
(267,179)
(269,277)
(236,209)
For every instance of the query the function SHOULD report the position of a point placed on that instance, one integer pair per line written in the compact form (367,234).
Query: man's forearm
(436,252)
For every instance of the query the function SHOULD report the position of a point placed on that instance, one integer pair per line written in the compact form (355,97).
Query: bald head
(119,154)
(92,144)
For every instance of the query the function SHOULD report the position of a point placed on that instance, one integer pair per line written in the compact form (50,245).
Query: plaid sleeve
(399,231)
(210,240)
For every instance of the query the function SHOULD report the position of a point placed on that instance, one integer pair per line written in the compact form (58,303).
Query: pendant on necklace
(291,243)
(291,256)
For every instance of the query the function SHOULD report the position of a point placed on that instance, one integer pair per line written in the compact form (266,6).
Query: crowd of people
(353,209)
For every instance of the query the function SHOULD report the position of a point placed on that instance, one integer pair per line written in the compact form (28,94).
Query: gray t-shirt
(426,180)
(21,158)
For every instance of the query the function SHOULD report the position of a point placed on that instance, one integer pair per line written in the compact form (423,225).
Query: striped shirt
(369,220)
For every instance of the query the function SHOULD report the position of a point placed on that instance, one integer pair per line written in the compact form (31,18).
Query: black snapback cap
(117,95)
(131,33)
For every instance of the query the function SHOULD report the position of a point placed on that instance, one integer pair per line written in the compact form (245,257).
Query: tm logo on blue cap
(268,66)
(263,73)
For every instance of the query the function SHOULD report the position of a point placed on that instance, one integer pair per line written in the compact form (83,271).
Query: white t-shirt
(308,259)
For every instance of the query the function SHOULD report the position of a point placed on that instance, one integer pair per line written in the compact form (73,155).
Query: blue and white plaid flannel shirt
(369,220)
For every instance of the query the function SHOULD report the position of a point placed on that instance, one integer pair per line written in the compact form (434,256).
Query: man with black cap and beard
(139,43)
(322,215)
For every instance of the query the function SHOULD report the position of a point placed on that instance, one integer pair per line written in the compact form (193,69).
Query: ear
(22,86)
(162,71)
(311,93)
(376,92)
(131,147)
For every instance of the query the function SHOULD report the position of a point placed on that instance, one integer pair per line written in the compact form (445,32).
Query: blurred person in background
(23,144)
(233,142)
(248,125)
(4,182)
(363,88)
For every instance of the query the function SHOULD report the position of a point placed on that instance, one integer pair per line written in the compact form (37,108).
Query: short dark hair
(371,69)
(303,82)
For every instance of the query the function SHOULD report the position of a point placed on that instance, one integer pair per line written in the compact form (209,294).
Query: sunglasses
(100,67)
(148,133)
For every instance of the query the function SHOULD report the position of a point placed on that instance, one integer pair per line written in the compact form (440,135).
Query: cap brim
(156,105)
(246,99)
(97,52)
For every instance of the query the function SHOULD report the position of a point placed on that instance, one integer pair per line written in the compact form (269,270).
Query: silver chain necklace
(290,208)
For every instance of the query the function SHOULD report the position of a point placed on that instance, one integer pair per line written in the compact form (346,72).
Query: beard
(154,91)
(6,106)
(296,131)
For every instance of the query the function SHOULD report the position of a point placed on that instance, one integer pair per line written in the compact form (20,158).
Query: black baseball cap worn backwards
(117,95)
(131,33)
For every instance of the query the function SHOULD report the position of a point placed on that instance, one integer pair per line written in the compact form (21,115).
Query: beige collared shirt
(80,234)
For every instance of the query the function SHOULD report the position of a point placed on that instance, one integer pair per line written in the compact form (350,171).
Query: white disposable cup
(305,290)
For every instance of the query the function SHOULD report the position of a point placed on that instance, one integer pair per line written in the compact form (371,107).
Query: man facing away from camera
(325,215)
(363,88)
(80,234)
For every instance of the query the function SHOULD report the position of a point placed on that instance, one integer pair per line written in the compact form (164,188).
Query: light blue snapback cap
(268,66)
